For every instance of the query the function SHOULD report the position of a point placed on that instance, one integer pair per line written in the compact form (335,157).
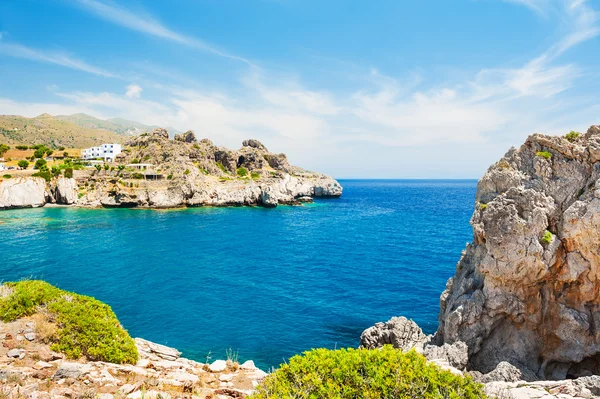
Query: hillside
(116,125)
(52,132)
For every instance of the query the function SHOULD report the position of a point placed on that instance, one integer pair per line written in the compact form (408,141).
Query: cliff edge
(526,290)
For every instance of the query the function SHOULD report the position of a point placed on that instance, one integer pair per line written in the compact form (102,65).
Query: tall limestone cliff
(527,289)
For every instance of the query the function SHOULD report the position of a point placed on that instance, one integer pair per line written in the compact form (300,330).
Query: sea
(254,283)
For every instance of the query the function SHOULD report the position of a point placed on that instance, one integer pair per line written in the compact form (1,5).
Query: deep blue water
(267,283)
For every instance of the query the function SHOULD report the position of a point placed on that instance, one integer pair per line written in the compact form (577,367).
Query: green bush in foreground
(86,326)
(364,373)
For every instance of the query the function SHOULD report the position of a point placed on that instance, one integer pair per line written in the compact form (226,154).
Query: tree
(23,164)
(39,153)
(40,164)
(65,154)
(3,149)
(49,152)
(98,167)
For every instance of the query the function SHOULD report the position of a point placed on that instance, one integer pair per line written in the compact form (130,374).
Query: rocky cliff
(526,290)
(177,173)
(525,298)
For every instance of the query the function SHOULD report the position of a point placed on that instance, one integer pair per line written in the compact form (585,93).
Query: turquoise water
(267,283)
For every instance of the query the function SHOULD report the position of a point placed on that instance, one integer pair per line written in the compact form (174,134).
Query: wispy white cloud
(20,51)
(133,91)
(150,26)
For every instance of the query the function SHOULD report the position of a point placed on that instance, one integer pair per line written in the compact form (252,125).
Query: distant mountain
(55,132)
(120,126)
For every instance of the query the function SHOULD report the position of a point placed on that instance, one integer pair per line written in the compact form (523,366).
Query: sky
(355,89)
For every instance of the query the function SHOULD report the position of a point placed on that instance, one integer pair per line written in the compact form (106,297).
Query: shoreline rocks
(34,372)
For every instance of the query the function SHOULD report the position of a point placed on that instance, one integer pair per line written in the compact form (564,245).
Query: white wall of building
(108,152)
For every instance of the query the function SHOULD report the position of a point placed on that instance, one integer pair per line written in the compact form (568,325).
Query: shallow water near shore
(265,283)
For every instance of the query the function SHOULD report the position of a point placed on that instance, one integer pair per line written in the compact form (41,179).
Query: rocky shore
(154,171)
(29,369)
(522,312)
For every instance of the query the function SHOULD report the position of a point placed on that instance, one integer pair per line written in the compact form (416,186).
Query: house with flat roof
(107,152)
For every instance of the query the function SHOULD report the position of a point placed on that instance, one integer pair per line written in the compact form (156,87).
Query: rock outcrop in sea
(154,171)
(525,298)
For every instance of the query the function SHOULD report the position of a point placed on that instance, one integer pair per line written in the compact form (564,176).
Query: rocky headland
(522,312)
(155,171)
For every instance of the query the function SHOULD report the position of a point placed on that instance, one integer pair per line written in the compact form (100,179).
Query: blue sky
(388,88)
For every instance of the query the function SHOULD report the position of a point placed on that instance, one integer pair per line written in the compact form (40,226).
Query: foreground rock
(504,382)
(526,289)
(33,371)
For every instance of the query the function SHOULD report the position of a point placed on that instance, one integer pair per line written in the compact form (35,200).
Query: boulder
(218,366)
(160,133)
(16,353)
(506,372)
(456,355)
(254,144)
(71,370)
(398,331)
(159,351)
(66,191)
(187,137)
(21,192)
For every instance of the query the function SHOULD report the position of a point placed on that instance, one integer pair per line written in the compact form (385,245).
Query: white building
(108,152)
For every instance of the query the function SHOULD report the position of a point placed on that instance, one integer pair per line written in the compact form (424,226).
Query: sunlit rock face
(527,289)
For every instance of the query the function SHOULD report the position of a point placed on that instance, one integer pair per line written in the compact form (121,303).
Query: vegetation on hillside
(76,325)
(52,132)
(116,125)
(364,373)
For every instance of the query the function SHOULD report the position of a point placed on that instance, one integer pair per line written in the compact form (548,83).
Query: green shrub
(170,176)
(55,171)
(86,326)
(547,237)
(255,175)
(39,153)
(364,373)
(544,154)
(22,147)
(135,160)
(44,174)
(220,166)
(483,206)
(203,170)
(137,175)
(572,136)
(242,172)
(186,172)
(61,148)
(40,163)
(69,173)
(6,176)
(49,152)
(3,149)
(23,164)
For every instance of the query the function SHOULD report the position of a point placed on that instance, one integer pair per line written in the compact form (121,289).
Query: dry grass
(44,328)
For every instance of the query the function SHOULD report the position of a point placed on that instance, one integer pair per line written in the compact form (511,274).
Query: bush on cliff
(364,373)
(86,326)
